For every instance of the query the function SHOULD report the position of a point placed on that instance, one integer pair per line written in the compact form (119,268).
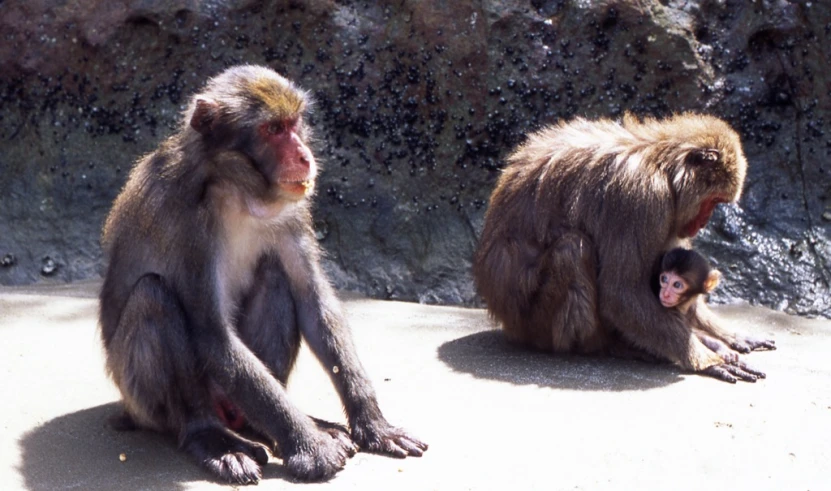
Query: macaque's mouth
(299,186)
(668,305)
(705,211)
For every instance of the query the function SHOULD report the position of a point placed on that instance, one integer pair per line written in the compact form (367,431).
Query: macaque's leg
(157,374)
(268,326)
(565,310)
(268,322)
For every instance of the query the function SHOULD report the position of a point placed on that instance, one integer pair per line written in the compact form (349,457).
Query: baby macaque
(685,276)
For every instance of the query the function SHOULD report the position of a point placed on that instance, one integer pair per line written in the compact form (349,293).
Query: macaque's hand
(380,437)
(733,372)
(746,344)
(728,355)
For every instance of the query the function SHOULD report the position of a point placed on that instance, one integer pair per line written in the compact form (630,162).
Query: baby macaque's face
(674,289)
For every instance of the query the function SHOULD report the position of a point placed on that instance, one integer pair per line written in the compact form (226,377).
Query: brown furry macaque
(578,222)
(214,278)
(685,278)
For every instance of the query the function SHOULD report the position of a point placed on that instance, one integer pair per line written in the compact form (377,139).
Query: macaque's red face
(705,211)
(293,168)
(673,289)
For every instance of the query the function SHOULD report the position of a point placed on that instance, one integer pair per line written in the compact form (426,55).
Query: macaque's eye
(709,156)
(678,285)
(664,279)
(275,127)
(704,157)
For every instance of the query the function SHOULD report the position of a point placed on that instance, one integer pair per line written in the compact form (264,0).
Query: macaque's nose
(304,155)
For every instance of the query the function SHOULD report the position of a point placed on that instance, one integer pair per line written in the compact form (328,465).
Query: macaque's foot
(322,456)
(380,437)
(733,372)
(747,344)
(236,468)
(338,432)
(227,455)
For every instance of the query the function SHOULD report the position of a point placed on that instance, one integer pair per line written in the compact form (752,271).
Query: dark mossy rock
(417,104)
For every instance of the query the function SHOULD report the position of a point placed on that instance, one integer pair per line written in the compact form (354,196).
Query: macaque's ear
(704,156)
(712,281)
(204,115)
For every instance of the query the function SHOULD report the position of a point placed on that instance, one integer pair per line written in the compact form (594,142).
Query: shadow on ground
(487,355)
(81,451)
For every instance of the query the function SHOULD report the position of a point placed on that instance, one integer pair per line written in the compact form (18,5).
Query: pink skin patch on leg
(231,415)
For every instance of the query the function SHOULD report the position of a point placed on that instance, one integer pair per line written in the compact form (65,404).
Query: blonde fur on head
(249,93)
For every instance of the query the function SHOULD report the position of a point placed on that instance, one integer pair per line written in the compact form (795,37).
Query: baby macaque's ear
(712,281)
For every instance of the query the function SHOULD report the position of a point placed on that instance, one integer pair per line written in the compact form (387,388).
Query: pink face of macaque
(673,289)
(294,168)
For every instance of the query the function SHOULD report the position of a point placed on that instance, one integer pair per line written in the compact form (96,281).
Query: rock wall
(417,103)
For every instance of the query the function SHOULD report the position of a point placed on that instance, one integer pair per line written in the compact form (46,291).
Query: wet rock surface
(417,104)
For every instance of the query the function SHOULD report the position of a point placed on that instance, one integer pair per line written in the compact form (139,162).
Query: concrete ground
(495,417)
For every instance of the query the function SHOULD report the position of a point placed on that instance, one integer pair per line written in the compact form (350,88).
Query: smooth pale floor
(495,417)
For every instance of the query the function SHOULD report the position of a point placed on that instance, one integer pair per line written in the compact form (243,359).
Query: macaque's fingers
(748,344)
(748,369)
(390,447)
(729,356)
(718,371)
(413,447)
(389,440)
(762,344)
(740,373)
(400,440)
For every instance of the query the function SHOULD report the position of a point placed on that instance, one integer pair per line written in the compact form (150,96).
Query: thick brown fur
(214,278)
(577,225)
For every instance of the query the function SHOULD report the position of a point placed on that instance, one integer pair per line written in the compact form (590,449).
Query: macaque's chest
(243,245)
